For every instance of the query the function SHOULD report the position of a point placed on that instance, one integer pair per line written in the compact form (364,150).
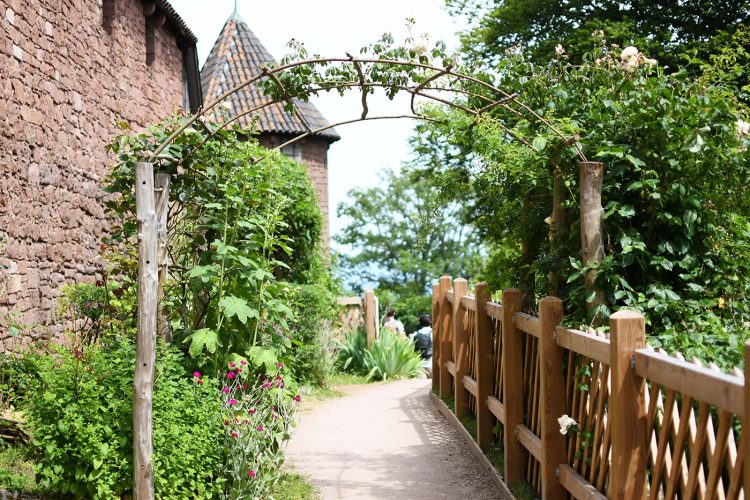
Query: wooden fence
(648,424)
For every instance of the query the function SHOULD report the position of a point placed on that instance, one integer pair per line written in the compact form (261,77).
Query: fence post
(512,363)
(461,347)
(627,408)
(746,422)
(484,360)
(143,379)
(552,404)
(435,337)
(590,175)
(446,347)
(370,316)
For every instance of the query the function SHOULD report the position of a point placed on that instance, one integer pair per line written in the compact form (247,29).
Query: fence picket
(512,387)
(446,345)
(460,348)
(485,364)
(552,398)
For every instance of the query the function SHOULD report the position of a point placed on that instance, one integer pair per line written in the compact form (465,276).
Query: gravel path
(386,441)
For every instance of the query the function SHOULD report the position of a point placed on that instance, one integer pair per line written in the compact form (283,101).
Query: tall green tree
(661,28)
(402,237)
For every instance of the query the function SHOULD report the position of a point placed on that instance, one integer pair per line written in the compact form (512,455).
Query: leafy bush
(81,418)
(389,357)
(392,356)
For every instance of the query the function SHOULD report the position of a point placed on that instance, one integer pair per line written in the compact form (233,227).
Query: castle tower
(237,56)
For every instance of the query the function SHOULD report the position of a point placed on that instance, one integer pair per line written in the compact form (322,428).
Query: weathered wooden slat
(436,337)
(494,310)
(496,407)
(143,380)
(449,296)
(460,349)
(446,344)
(349,301)
(530,441)
(713,387)
(591,346)
(527,323)
(451,367)
(577,485)
(484,363)
(469,302)
(471,385)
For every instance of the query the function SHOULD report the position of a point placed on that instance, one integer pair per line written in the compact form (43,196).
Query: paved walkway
(386,441)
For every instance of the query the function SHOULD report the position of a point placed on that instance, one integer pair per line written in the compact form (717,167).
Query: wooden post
(460,348)
(512,362)
(552,404)
(446,347)
(484,360)
(591,174)
(627,408)
(143,380)
(557,224)
(371,321)
(435,337)
(161,193)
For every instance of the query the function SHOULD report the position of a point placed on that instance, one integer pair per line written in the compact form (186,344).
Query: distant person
(422,339)
(391,323)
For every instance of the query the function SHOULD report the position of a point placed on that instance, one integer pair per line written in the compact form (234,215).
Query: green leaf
(539,143)
(235,306)
(200,339)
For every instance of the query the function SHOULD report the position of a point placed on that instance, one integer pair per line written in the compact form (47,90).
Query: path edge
(505,493)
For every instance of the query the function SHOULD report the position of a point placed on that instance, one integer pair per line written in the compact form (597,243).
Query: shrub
(389,357)
(81,418)
(392,356)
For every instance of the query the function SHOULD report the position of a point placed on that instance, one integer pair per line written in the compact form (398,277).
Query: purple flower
(232,402)
(197,374)
(225,390)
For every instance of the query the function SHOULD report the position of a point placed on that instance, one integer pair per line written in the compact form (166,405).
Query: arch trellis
(298,80)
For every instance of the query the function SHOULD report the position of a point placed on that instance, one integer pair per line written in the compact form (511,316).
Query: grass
(16,473)
(316,393)
(294,486)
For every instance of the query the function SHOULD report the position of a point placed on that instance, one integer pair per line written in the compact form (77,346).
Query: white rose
(226,105)
(559,50)
(420,48)
(743,127)
(650,62)
(566,423)
(628,53)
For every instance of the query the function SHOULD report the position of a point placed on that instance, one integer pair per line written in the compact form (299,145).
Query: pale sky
(331,28)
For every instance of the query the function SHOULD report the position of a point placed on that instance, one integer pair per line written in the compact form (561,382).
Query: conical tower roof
(237,56)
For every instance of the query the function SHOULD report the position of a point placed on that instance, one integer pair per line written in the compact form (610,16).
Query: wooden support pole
(552,404)
(370,316)
(435,337)
(558,224)
(512,362)
(161,194)
(746,423)
(484,360)
(143,380)
(590,175)
(460,348)
(627,408)
(446,347)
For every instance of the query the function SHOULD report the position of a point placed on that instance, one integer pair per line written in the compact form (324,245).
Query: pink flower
(279,364)
(252,410)
(297,398)
(234,435)
(197,374)
(267,385)
(260,427)
(232,402)
(226,422)
(200,382)
(231,364)
(243,362)
(225,390)
(231,375)
(251,473)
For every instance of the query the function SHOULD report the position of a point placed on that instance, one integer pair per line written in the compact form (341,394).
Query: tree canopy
(661,29)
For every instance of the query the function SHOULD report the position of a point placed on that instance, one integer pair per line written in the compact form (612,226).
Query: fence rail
(648,425)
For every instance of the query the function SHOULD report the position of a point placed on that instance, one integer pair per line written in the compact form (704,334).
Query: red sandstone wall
(63,79)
